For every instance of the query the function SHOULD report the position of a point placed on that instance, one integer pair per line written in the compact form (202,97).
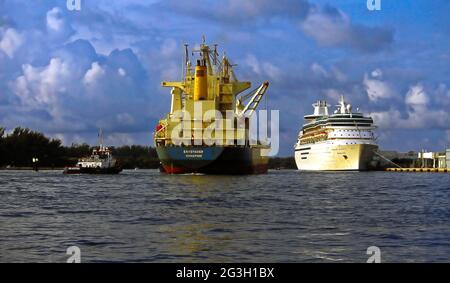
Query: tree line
(22,145)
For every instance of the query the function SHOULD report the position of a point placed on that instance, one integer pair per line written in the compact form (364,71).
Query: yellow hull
(326,157)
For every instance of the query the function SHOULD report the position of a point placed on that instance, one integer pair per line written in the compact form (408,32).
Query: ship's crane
(256,97)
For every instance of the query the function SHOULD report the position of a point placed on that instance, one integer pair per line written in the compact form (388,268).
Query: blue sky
(68,73)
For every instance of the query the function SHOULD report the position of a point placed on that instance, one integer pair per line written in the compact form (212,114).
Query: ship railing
(158,132)
(189,141)
(162,128)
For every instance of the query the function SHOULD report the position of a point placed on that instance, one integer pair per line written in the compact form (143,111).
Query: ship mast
(100,138)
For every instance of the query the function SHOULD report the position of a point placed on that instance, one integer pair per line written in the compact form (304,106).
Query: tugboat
(198,135)
(101,161)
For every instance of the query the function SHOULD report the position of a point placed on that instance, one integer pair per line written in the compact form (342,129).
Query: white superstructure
(100,158)
(343,140)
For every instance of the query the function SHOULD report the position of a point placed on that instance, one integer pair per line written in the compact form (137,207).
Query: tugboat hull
(85,170)
(212,160)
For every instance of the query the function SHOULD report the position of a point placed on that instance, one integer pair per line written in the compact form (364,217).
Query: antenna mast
(100,138)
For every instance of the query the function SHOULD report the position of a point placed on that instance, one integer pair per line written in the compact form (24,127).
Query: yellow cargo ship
(207,128)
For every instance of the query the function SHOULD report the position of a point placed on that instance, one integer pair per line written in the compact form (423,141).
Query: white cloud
(93,74)
(54,19)
(442,95)
(416,96)
(119,139)
(340,77)
(418,116)
(50,98)
(263,69)
(73,138)
(421,118)
(332,72)
(377,88)
(10,41)
(333,94)
(377,73)
(125,119)
(387,119)
(326,29)
(272,71)
(319,70)
(329,26)
(41,85)
(253,63)
(170,71)
(121,72)
(169,48)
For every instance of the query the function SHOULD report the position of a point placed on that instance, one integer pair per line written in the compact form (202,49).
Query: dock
(424,170)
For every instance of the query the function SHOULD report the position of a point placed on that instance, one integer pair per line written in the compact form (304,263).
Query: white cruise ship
(343,140)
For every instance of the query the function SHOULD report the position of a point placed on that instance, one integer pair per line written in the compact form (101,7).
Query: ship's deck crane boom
(257,96)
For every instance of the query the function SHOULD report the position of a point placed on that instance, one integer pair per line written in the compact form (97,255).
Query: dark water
(284,216)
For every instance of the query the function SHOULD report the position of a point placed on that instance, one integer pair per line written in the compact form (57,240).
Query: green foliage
(136,156)
(2,146)
(282,163)
(22,145)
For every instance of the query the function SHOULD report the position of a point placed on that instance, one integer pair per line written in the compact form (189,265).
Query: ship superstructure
(207,128)
(343,140)
(101,158)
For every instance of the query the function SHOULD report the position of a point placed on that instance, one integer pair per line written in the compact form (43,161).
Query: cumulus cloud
(169,48)
(416,96)
(121,72)
(333,94)
(125,119)
(10,41)
(376,88)
(419,114)
(54,19)
(119,139)
(442,95)
(330,73)
(387,119)
(52,99)
(262,69)
(319,70)
(41,85)
(238,12)
(331,27)
(327,25)
(93,74)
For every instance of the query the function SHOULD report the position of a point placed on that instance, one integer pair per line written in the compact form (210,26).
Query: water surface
(284,216)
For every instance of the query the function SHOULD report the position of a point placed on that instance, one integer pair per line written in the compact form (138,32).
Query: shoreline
(406,169)
(31,169)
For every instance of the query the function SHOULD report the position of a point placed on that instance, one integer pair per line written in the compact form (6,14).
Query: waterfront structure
(343,140)
(447,158)
(437,159)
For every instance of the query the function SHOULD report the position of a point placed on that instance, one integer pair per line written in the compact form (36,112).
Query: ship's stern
(212,160)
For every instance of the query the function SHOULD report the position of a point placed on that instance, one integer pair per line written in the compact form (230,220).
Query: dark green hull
(86,170)
(212,160)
